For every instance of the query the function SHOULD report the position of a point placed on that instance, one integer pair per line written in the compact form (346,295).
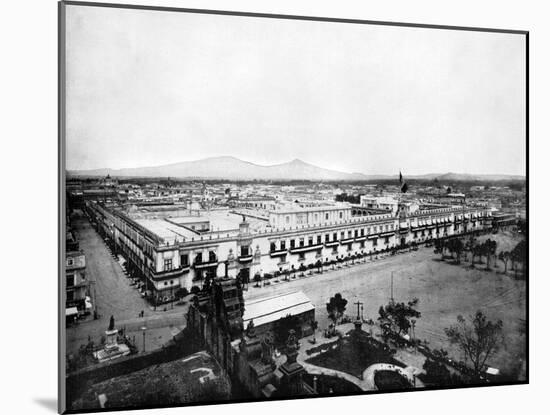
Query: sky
(146,88)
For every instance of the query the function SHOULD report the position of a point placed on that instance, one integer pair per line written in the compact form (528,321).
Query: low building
(77,284)
(195,378)
(265,312)
(504,220)
(217,317)
(386,203)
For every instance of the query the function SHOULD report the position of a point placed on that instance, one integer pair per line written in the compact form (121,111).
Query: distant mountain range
(232,168)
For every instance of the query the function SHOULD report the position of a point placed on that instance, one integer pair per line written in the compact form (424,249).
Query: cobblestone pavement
(113,295)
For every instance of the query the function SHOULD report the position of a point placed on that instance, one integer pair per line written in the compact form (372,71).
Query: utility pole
(413,323)
(143,329)
(359,305)
(391,294)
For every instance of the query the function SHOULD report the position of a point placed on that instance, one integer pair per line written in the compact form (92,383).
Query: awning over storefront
(71,311)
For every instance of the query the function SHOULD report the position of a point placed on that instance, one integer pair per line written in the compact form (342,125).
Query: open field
(445,290)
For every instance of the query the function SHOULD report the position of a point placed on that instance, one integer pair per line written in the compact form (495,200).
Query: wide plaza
(444,289)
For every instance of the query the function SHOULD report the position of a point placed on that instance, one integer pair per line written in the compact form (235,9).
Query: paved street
(113,295)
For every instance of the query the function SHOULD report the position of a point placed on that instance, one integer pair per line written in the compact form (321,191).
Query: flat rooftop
(268,309)
(194,378)
(166,230)
(224,222)
(293,208)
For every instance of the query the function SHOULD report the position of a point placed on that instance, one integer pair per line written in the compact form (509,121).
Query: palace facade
(172,252)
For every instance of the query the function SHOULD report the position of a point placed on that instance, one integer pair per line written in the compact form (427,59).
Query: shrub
(182,292)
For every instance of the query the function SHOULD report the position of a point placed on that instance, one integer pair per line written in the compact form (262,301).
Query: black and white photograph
(266,207)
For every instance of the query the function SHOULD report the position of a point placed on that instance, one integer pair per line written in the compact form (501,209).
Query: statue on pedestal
(250,330)
(267,349)
(292,347)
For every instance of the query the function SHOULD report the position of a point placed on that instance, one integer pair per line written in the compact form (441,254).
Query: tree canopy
(283,327)
(336,307)
(478,337)
(399,315)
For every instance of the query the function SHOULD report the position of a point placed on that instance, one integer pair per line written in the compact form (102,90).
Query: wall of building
(363,234)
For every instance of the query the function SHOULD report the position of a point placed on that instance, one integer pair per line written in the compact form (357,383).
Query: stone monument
(112,350)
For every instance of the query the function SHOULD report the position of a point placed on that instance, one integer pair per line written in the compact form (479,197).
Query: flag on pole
(403,184)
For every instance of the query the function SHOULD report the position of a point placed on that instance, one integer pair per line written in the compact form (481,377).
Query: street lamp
(413,323)
(143,329)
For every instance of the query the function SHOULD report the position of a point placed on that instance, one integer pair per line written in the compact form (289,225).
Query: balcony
(346,241)
(280,252)
(333,243)
(175,272)
(243,259)
(212,262)
(307,248)
(360,239)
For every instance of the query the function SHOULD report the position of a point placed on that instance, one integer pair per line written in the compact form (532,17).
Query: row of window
(356,233)
(302,218)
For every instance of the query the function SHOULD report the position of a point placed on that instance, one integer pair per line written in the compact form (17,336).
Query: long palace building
(173,247)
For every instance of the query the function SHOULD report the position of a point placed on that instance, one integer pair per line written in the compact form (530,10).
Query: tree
(181,292)
(489,249)
(471,243)
(319,265)
(479,338)
(504,256)
(257,279)
(284,325)
(519,256)
(336,307)
(399,315)
(477,252)
(314,325)
(439,248)
(456,246)
(436,372)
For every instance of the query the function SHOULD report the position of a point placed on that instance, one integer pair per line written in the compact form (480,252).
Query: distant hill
(478,177)
(228,168)
(232,168)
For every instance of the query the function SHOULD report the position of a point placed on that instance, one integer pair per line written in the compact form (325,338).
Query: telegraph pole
(359,305)
(143,329)
(413,323)
(391,293)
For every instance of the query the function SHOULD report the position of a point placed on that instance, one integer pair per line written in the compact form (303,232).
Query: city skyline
(352,98)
